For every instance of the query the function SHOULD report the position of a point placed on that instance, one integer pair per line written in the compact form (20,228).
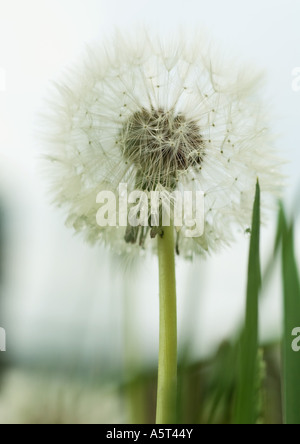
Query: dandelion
(165,117)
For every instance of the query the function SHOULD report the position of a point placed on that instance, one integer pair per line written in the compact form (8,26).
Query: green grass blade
(291,359)
(246,407)
(269,269)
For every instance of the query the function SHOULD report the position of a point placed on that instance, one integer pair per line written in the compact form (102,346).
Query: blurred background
(82,329)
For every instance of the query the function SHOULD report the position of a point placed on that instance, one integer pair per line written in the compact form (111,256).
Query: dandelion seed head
(160,116)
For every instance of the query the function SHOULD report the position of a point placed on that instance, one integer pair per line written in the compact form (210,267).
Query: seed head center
(160,144)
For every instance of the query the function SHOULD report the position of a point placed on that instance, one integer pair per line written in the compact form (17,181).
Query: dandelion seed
(126,115)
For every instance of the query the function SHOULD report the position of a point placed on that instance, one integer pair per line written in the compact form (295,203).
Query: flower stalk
(167,365)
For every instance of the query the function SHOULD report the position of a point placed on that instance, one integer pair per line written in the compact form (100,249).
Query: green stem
(167,365)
